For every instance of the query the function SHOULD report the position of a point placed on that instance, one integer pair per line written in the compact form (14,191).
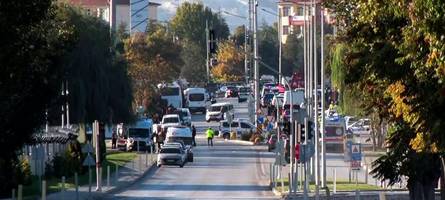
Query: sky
(238,7)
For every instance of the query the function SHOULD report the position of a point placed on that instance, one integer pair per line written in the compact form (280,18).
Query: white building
(117,12)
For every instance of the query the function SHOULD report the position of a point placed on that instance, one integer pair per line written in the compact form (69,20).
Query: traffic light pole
(255,57)
(208,52)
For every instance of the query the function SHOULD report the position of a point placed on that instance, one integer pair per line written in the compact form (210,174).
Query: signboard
(87,148)
(356,155)
(89,161)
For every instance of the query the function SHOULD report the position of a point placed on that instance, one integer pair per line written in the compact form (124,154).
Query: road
(228,170)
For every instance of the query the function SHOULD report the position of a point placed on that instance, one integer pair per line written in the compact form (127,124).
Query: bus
(172,93)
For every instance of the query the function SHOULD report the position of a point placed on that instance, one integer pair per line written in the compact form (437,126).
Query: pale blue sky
(239,7)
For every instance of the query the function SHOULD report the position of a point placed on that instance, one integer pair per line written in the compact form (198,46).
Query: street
(228,170)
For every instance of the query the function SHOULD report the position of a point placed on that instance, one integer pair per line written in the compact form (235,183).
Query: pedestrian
(193,135)
(113,140)
(210,134)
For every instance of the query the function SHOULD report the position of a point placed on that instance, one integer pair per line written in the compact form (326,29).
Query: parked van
(219,111)
(179,133)
(196,99)
(172,93)
(140,134)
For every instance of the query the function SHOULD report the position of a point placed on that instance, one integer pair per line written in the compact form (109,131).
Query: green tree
(268,48)
(188,25)
(33,42)
(239,35)
(292,55)
(97,75)
(230,63)
(194,68)
(394,57)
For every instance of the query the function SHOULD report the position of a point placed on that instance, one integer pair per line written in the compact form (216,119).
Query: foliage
(154,58)
(230,66)
(25,171)
(238,36)
(394,57)
(34,42)
(292,55)
(190,21)
(188,25)
(268,48)
(97,77)
(194,68)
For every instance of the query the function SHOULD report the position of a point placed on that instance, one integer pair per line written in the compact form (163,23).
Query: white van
(172,93)
(196,99)
(219,111)
(179,133)
(297,98)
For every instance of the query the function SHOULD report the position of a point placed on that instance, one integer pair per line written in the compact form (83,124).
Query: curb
(137,179)
(241,142)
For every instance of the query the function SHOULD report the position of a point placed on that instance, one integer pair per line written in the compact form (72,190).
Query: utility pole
(208,52)
(317,138)
(246,71)
(323,144)
(255,57)
(279,44)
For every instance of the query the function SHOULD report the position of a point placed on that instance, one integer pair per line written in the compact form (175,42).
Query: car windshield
(215,108)
(196,97)
(170,91)
(170,120)
(138,132)
(170,150)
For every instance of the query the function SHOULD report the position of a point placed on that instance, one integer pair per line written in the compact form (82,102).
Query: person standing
(210,134)
(113,140)
(193,135)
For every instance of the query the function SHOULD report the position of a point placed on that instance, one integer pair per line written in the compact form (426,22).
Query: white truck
(196,99)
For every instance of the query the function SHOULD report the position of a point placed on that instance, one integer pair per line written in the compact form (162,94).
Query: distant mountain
(238,7)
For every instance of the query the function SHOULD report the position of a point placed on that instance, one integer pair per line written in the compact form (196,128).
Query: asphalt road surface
(228,170)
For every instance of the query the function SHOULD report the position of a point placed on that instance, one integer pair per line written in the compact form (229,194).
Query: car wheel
(207,121)
(159,165)
(226,136)
(181,165)
(190,159)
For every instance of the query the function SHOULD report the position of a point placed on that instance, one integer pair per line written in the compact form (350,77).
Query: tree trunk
(421,191)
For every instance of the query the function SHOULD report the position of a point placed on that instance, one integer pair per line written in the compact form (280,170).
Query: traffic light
(310,129)
(300,133)
(212,41)
(286,127)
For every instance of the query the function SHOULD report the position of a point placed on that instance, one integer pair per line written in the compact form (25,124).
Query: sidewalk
(127,175)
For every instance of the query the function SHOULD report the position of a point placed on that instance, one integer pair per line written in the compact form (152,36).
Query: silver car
(172,156)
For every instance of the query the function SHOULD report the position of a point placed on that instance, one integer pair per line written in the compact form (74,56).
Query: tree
(194,68)
(230,63)
(33,44)
(190,21)
(154,59)
(394,57)
(97,77)
(188,25)
(268,48)
(238,36)
(292,55)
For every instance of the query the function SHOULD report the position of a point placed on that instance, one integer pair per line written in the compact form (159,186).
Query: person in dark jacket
(193,135)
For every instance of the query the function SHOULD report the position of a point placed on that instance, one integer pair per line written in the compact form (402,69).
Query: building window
(286,11)
(299,11)
(285,30)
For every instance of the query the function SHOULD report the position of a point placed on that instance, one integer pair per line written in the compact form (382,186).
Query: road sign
(356,151)
(88,148)
(89,161)
(355,164)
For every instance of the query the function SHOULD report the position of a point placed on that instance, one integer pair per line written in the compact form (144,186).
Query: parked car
(172,155)
(219,111)
(170,120)
(186,148)
(184,115)
(240,126)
